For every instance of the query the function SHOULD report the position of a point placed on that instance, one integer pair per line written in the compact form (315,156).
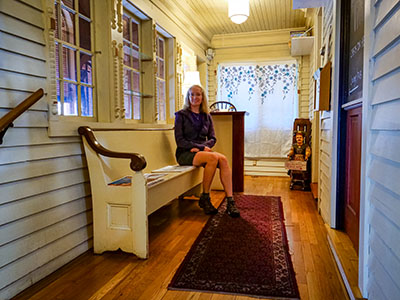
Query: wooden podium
(229,130)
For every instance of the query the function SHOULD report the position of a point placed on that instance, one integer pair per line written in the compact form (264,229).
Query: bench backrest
(157,146)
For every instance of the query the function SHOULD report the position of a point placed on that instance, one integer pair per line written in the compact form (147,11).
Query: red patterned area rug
(243,256)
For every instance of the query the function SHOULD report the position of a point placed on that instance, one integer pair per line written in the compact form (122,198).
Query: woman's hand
(207,149)
(194,150)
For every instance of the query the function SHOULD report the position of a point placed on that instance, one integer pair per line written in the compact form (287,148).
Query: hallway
(173,229)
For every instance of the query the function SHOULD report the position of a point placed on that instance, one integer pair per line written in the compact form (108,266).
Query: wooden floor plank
(173,229)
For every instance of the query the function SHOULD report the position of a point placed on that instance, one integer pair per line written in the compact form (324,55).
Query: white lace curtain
(268,93)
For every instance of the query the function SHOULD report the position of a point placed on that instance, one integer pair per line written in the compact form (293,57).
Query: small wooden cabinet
(229,130)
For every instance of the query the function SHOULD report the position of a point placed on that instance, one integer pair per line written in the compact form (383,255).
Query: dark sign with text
(356,49)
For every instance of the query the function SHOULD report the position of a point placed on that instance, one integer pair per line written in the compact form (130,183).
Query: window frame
(138,21)
(78,50)
(164,59)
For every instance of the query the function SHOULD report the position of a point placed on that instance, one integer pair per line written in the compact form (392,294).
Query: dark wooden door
(353,169)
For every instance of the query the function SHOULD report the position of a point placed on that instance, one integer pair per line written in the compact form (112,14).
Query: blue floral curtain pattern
(268,94)
(258,77)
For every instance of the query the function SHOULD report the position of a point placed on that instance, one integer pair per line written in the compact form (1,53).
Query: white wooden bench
(120,212)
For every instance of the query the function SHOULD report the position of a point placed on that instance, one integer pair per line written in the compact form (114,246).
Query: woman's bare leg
(210,160)
(225,174)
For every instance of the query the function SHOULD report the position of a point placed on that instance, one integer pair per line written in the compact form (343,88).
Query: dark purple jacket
(187,137)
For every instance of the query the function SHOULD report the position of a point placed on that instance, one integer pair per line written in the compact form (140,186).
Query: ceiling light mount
(238,10)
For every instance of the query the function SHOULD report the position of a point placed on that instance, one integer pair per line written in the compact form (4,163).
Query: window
(132,66)
(160,76)
(74,58)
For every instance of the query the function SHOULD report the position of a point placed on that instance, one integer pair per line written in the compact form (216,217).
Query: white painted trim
(365,194)
(341,270)
(335,109)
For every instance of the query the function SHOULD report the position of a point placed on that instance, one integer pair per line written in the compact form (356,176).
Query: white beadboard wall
(45,205)
(325,126)
(383,170)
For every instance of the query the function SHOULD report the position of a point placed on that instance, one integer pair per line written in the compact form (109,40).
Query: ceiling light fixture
(238,10)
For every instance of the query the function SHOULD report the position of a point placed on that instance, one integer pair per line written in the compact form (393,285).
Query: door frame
(336,131)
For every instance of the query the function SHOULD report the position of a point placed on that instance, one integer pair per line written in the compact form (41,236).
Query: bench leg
(139,216)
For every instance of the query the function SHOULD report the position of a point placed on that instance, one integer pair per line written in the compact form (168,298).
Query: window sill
(70,128)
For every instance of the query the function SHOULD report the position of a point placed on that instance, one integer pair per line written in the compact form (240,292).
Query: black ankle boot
(206,205)
(231,209)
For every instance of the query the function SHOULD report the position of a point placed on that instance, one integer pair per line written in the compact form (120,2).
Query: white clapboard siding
(33,205)
(30,262)
(10,99)
(22,64)
(29,187)
(386,117)
(383,168)
(386,32)
(45,202)
(386,88)
(20,171)
(386,202)
(17,45)
(21,29)
(45,218)
(32,136)
(21,81)
(384,8)
(11,155)
(29,118)
(24,12)
(44,270)
(385,63)
(389,288)
(379,247)
(39,239)
(380,142)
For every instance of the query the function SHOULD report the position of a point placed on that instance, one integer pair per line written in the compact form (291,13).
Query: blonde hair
(204,102)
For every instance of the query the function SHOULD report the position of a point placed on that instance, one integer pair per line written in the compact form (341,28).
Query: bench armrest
(138,162)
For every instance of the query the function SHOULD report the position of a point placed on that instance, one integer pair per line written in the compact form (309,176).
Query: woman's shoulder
(182,112)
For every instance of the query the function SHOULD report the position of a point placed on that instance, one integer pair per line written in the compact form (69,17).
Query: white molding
(365,191)
(335,110)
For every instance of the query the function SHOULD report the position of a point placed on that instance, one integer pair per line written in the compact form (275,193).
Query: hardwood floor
(173,229)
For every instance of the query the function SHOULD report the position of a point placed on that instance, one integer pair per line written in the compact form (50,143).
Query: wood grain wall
(45,205)
(383,170)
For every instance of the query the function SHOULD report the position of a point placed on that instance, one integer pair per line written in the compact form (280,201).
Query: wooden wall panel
(10,99)
(33,136)
(29,263)
(379,142)
(15,250)
(383,168)
(21,29)
(22,64)
(386,63)
(15,44)
(379,248)
(387,32)
(11,155)
(38,185)
(385,116)
(386,88)
(25,207)
(376,268)
(38,168)
(44,270)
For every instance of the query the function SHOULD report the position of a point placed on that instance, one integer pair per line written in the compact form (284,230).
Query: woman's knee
(222,160)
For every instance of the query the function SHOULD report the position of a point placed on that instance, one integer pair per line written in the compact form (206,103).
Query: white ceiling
(211,16)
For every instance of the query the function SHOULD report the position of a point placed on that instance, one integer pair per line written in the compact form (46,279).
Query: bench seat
(120,212)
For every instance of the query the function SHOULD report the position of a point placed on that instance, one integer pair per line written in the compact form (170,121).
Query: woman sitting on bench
(194,135)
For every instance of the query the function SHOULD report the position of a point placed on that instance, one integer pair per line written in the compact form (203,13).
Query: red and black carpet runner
(243,256)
